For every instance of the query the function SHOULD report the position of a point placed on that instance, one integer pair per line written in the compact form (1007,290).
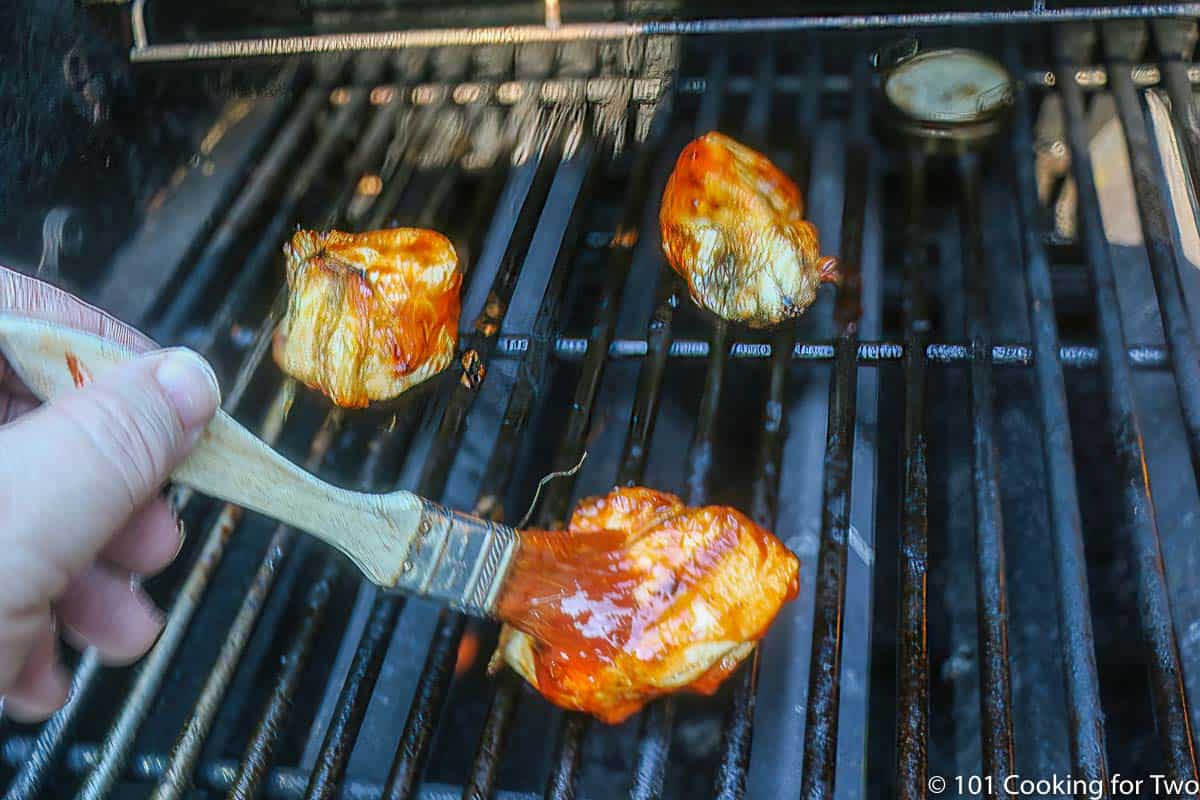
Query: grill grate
(1167,684)
(1082,684)
(596,349)
(912,713)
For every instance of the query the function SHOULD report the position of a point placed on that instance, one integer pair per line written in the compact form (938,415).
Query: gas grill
(959,442)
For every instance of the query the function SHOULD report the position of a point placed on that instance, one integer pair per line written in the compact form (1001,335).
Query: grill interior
(954,449)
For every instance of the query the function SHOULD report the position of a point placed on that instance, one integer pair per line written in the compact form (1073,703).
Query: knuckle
(29,580)
(16,638)
(28,573)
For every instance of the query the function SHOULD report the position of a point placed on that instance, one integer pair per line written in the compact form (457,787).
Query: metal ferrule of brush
(459,559)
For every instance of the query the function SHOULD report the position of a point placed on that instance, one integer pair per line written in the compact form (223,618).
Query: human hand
(82,516)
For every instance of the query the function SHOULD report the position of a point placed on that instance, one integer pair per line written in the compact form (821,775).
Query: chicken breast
(369,314)
(640,596)
(733,226)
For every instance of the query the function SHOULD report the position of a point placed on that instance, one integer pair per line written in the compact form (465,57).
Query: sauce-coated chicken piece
(640,596)
(369,314)
(733,225)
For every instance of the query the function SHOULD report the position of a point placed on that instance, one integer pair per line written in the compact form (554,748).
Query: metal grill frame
(1074,47)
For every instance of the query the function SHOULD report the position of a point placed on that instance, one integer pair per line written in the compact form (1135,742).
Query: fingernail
(182,531)
(191,386)
(172,499)
(155,613)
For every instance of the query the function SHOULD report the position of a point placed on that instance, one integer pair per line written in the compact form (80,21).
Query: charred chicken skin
(369,314)
(641,596)
(733,226)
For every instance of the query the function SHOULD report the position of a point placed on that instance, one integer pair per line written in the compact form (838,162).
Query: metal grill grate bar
(1154,608)
(257,754)
(351,707)
(504,702)
(654,732)
(821,720)
(150,677)
(435,678)
(1088,756)
(120,739)
(912,656)
(426,707)
(178,776)
(561,783)
(431,694)
(574,727)
(1122,43)
(991,593)
(281,783)
(654,737)
(870,352)
(256,761)
(432,686)
(54,735)
(195,732)
(253,769)
(216,252)
(1176,40)
(356,692)
(737,732)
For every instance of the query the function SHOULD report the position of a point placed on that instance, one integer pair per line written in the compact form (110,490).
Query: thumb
(74,470)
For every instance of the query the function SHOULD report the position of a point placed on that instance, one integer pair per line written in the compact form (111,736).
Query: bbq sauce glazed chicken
(369,314)
(641,596)
(733,225)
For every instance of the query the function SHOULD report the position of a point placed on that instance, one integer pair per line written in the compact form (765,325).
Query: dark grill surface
(960,443)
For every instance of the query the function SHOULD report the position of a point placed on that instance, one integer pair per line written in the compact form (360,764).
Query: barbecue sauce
(640,596)
(79,373)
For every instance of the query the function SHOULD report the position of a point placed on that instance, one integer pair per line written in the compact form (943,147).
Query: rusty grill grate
(278,675)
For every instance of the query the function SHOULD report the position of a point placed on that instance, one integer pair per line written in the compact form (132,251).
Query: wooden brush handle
(233,464)
(229,462)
